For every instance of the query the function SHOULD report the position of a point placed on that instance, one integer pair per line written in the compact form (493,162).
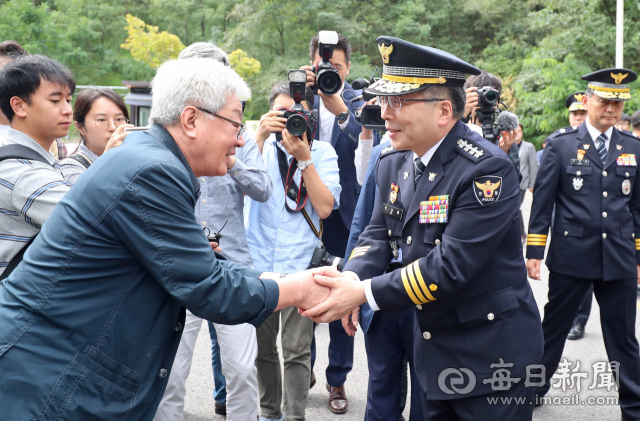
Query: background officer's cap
(410,68)
(574,101)
(611,83)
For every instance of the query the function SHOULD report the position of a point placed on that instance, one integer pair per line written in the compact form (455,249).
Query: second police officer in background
(590,173)
(448,201)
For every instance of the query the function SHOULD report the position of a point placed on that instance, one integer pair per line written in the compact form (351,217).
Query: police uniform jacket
(597,206)
(465,273)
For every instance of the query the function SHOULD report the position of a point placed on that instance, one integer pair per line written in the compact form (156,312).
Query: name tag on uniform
(583,162)
(626,160)
(392,212)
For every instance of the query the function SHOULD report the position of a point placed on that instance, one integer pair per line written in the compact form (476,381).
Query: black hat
(574,101)
(410,68)
(608,83)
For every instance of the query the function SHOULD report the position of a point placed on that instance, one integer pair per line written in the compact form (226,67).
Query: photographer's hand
(269,123)
(298,148)
(472,101)
(311,76)
(334,103)
(368,133)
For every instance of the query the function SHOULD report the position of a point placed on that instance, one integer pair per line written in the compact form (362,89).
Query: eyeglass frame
(95,122)
(241,126)
(379,102)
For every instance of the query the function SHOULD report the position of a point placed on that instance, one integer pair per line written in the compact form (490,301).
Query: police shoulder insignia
(469,148)
(487,188)
(386,150)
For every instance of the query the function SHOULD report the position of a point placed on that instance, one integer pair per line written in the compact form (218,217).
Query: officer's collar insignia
(394,193)
(487,188)
(618,147)
(586,146)
(432,176)
(406,175)
(385,52)
(469,148)
(617,78)
(580,154)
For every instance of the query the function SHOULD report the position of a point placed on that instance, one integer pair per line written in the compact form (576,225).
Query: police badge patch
(487,189)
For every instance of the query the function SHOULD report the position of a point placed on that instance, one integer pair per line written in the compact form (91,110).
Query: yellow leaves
(243,64)
(150,46)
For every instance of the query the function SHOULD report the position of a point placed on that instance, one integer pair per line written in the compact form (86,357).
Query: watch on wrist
(342,117)
(302,165)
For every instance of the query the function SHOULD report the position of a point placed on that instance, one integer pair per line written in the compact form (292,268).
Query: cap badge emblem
(578,97)
(618,77)
(386,52)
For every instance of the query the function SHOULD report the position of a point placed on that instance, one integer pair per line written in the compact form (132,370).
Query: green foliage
(149,46)
(540,48)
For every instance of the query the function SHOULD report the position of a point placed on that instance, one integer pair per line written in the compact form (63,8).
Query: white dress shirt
(367,282)
(595,133)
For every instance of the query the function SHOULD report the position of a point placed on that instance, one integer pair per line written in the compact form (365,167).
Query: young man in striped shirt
(35,96)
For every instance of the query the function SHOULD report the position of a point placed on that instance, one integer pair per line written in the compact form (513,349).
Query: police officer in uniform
(590,173)
(448,203)
(577,114)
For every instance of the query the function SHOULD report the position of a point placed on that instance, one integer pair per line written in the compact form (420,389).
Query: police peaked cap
(611,83)
(409,67)
(574,101)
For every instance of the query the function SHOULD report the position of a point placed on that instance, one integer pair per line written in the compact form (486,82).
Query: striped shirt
(72,169)
(29,191)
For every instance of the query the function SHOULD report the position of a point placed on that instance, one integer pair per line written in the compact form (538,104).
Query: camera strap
(298,195)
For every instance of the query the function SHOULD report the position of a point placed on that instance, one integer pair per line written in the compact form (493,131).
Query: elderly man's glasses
(395,102)
(103,123)
(241,127)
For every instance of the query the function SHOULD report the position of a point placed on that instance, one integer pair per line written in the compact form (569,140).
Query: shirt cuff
(346,122)
(369,294)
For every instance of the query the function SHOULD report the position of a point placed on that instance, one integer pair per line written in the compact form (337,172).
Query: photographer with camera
(483,96)
(283,234)
(330,55)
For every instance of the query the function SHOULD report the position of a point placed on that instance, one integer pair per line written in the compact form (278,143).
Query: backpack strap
(80,159)
(14,151)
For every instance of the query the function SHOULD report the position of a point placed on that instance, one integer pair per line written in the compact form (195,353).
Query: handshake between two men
(324,295)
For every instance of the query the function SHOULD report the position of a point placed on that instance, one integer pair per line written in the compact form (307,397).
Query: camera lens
(329,81)
(297,125)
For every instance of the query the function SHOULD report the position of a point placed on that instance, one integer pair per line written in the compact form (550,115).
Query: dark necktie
(418,169)
(602,149)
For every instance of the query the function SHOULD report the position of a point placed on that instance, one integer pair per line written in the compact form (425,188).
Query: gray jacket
(528,165)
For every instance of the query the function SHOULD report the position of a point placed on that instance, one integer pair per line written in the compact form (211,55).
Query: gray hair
(205,50)
(198,82)
(508,121)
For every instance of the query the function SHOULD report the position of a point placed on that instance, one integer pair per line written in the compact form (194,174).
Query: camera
(370,116)
(321,257)
(299,119)
(327,76)
(488,100)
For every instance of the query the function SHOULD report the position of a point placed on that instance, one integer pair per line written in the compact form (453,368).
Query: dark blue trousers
(617,301)
(335,239)
(388,342)
(585,308)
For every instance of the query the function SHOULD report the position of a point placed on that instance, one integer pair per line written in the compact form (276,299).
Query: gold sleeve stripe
(353,256)
(541,236)
(537,243)
(414,284)
(416,268)
(359,251)
(407,287)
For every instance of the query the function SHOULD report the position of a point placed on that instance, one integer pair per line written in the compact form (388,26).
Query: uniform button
(178,327)
(566,233)
(389,232)
(162,373)
(419,307)
(437,241)
(409,240)
(605,194)
(604,173)
(626,174)
(426,335)
(604,235)
(633,235)
(579,173)
(203,180)
(490,316)
(204,200)
(604,214)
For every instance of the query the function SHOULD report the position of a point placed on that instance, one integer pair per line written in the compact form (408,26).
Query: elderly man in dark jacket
(92,318)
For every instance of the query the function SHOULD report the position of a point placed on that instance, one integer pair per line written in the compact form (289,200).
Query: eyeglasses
(396,102)
(103,123)
(241,127)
